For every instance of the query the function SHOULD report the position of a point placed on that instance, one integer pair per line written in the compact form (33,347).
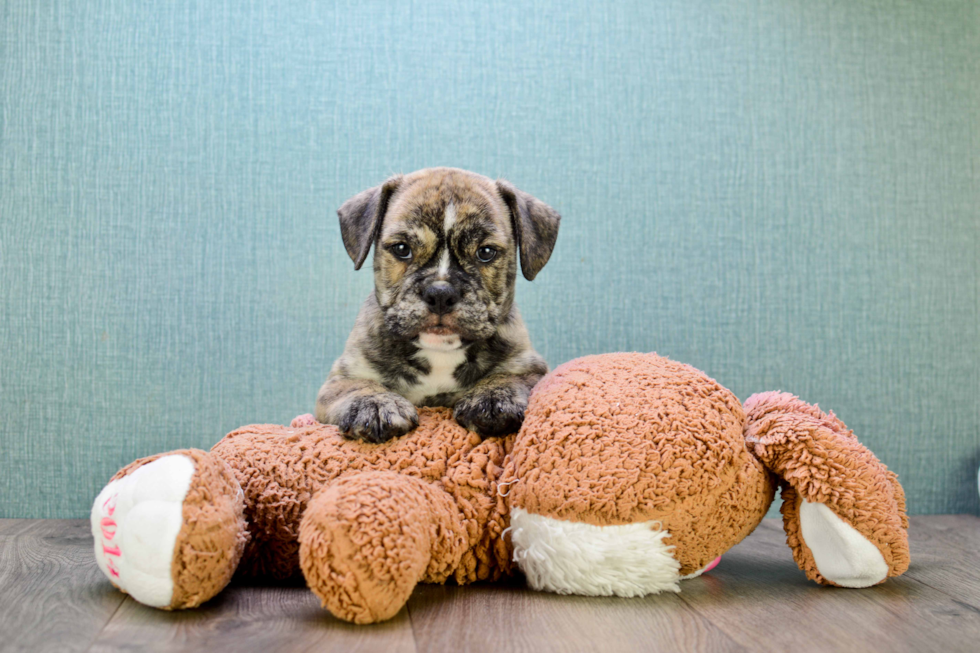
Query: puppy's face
(447,247)
(446,259)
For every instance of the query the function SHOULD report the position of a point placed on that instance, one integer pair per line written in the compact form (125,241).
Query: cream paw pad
(135,523)
(165,524)
(840,553)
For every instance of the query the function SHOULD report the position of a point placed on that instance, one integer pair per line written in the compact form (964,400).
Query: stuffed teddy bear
(631,473)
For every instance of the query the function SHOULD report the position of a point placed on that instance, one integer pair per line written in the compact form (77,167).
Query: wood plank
(761,599)
(246,618)
(52,595)
(946,555)
(508,616)
(11,526)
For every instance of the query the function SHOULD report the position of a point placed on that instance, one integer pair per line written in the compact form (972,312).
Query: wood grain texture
(53,598)
(250,618)
(946,556)
(449,618)
(761,599)
(52,595)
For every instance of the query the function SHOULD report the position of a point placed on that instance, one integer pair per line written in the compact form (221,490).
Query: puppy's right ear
(361,217)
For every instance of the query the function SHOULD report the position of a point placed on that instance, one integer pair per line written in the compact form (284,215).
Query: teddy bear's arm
(367,539)
(843,510)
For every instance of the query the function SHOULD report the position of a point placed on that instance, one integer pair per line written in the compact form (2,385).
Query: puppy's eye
(401,251)
(486,254)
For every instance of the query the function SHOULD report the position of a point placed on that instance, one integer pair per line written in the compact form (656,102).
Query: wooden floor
(53,598)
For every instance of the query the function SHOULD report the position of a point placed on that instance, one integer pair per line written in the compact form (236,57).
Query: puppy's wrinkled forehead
(448,205)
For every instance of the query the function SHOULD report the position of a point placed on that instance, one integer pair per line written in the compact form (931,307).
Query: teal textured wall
(784,193)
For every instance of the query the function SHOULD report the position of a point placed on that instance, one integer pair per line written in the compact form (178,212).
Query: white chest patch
(443,354)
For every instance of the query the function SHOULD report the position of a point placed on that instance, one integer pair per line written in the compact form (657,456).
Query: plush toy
(631,473)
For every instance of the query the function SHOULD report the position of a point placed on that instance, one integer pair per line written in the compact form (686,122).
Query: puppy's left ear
(361,217)
(535,227)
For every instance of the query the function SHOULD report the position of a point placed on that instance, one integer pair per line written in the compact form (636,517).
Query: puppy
(441,327)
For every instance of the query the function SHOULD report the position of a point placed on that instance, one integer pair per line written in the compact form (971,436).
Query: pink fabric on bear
(301,421)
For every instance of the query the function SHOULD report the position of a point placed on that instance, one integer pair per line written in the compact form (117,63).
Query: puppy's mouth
(440,325)
(440,331)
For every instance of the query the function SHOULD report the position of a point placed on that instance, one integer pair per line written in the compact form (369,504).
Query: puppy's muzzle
(441,297)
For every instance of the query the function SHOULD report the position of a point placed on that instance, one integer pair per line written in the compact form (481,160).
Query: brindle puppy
(441,327)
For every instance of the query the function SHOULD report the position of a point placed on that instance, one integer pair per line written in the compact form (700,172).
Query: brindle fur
(385,366)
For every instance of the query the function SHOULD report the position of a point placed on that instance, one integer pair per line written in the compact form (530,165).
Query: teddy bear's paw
(840,553)
(170,529)
(574,558)
(135,523)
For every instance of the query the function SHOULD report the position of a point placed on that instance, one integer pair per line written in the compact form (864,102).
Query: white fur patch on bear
(842,554)
(573,558)
(135,523)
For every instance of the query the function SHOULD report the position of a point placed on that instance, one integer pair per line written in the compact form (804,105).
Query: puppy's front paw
(492,411)
(378,417)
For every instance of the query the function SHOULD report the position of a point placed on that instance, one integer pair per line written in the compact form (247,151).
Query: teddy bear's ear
(535,227)
(843,510)
(361,217)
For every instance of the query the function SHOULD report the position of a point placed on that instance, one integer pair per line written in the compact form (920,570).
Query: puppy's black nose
(440,297)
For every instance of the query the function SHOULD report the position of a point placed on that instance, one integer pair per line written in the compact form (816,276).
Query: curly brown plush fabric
(820,460)
(625,438)
(212,538)
(280,469)
(417,526)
